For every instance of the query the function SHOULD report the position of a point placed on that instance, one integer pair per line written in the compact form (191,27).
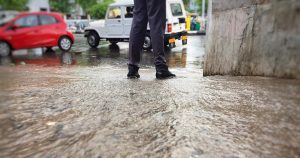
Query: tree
(98,11)
(62,6)
(86,4)
(18,5)
(199,2)
(186,4)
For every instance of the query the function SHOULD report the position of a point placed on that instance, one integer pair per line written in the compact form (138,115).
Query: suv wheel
(147,43)
(4,49)
(113,42)
(65,43)
(93,39)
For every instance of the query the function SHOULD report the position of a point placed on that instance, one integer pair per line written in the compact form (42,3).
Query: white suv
(117,25)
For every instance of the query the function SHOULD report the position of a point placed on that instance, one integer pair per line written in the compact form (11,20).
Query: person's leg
(138,31)
(157,20)
(137,37)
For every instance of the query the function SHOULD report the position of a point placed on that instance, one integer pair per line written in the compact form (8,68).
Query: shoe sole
(133,77)
(163,78)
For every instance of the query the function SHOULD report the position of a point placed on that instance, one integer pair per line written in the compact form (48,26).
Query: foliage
(86,4)
(98,11)
(186,3)
(62,6)
(18,5)
(199,2)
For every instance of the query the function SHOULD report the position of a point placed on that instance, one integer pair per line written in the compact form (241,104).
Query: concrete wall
(254,37)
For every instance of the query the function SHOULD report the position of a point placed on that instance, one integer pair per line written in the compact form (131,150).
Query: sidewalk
(97,111)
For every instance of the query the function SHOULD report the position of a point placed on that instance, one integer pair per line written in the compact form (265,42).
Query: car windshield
(176,9)
(5,18)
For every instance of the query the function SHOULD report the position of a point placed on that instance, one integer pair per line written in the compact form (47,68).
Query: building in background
(38,5)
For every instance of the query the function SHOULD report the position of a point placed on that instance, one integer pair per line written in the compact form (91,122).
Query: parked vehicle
(77,26)
(71,26)
(81,25)
(117,24)
(34,30)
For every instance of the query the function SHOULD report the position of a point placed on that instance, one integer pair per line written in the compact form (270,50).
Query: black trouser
(153,11)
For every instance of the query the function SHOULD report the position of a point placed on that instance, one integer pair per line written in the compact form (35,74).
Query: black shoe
(133,72)
(164,74)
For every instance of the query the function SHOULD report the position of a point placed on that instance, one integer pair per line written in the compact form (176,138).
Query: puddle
(116,55)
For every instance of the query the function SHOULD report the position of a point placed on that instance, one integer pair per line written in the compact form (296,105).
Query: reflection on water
(177,59)
(112,54)
(45,58)
(190,56)
(6,61)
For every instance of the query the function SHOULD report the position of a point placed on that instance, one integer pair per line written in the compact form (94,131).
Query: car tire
(65,43)
(5,49)
(147,43)
(113,42)
(93,39)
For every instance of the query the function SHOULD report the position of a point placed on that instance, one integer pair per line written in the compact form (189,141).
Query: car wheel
(113,42)
(147,43)
(93,39)
(5,49)
(65,43)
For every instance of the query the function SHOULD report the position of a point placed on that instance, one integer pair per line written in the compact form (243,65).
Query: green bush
(18,5)
(62,6)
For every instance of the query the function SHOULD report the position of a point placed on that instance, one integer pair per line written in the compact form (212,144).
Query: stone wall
(254,37)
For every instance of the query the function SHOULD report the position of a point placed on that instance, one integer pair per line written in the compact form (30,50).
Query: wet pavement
(80,104)
(107,54)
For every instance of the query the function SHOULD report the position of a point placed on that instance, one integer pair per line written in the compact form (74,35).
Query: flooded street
(80,104)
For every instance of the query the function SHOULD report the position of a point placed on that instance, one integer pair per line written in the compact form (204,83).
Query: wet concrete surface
(190,56)
(81,104)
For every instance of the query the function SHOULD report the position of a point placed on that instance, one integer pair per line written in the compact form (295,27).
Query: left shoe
(133,72)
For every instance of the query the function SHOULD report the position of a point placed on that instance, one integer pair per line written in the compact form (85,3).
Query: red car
(34,30)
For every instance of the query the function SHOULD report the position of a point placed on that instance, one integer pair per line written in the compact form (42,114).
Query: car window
(46,20)
(129,12)
(114,13)
(27,21)
(176,9)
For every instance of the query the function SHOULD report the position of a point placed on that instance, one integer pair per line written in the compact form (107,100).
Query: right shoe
(133,72)
(164,74)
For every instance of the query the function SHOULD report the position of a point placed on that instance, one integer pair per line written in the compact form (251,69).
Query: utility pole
(203,9)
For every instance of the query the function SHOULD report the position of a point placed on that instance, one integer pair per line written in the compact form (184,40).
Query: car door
(113,22)
(49,31)
(24,32)
(128,16)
